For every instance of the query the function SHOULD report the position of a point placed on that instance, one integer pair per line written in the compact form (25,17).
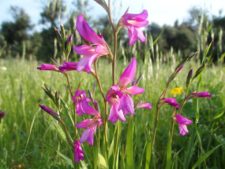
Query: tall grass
(30,139)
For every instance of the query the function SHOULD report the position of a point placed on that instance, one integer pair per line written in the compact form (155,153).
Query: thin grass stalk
(170,143)
(105,110)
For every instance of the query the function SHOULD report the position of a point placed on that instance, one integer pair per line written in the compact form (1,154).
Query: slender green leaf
(130,145)
(204,156)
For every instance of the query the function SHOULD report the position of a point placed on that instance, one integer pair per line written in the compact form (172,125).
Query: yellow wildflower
(176,91)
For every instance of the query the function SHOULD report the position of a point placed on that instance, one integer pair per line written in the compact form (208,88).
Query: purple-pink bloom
(49,110)
(114,99)
(120,96)
(172,102)
(145,105)
(183,122)
(48,67)
(90,126)
(134,24)
(78,151)
(81,102)
(68,66)
(2,114)
(201,94)
(90,52)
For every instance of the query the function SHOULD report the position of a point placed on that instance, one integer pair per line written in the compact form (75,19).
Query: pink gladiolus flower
(201,94)
(49,111)
(119,96)
(81,102)
(90,126)
(182,122)
(172,102)
(97,48)
(114,96)
(48,67)
(78,151)
(68,66)
(134,23)
(142,105)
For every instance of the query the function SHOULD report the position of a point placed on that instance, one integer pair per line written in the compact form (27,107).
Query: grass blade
(204,156)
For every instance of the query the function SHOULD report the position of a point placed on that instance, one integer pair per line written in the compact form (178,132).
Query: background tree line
(18,40)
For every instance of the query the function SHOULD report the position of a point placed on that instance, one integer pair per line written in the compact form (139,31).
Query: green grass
(29,138)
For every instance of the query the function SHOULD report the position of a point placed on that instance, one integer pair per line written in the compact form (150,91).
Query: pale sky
(160,11)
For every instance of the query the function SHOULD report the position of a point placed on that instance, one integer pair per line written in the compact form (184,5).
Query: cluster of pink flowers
(182,121)
(119,96)
(97,46)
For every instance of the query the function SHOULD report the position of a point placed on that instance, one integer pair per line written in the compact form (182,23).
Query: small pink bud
(172,102)
(49,67)
(201,94)
(49,111)
(78,151)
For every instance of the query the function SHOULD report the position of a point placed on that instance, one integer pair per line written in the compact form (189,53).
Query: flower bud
(49,111)
(201,94)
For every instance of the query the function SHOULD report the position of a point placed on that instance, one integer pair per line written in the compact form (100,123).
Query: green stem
(71,95)
(150,146)
(117,136)
(114,55)
(170,142)
(105,109)
(68,137)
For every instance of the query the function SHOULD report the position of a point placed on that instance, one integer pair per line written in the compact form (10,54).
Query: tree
(52,12)
(15,32)
(50,16)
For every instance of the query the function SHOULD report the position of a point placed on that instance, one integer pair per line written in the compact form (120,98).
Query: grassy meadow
(30,139)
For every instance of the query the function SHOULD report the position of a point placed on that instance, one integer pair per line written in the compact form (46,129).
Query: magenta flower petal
(87,109)
(49,110)
(68,66)
(142,105)
(133,90)
(78,151)
(97,48)
(182,122)
(136,20)
(87,32)
(128,74)
(116,114)
(172,102)
(85,50)
(49,67)
(127,105)
(85,63)
(133,35)
(183,129)
(90,126)
(82,104)
(88,135)
(201,94)
(113,95)
(141,35)
(134,23)
(85,123)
